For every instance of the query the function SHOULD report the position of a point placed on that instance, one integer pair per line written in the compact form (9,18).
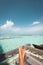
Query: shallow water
(11,42)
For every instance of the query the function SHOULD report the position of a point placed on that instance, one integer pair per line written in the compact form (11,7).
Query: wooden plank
(15,51)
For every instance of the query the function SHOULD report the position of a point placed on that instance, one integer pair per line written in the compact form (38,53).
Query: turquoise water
(11,42)
(8,43)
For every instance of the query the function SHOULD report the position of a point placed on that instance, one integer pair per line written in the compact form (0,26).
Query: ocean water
(12,42)
(8,43)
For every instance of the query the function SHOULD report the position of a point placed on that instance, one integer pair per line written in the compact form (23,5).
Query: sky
(21,16)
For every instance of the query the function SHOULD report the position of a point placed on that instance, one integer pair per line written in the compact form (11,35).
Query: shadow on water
(2,56)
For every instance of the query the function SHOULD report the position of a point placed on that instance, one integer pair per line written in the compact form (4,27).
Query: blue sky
(21,16)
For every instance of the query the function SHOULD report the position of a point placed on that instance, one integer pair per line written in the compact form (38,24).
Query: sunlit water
(8,43)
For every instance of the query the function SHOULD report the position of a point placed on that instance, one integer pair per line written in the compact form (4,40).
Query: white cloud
(16,29)
(32,30)
(35,22)
(9,27)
